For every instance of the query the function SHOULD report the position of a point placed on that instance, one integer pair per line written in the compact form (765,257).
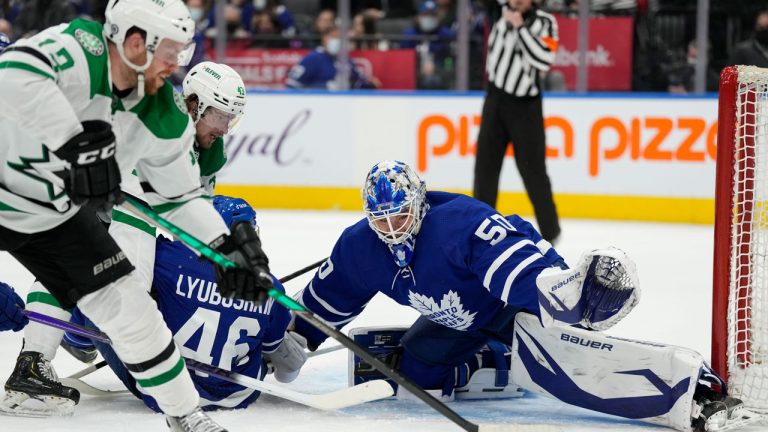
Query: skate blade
(23,405)
(737,419)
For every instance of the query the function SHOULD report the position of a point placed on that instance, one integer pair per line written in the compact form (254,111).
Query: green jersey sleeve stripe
(26,67)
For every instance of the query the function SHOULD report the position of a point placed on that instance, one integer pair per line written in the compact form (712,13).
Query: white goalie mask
(168,26)
(395,203)
(220,95)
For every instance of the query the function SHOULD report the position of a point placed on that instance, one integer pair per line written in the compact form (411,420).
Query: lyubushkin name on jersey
(206,291)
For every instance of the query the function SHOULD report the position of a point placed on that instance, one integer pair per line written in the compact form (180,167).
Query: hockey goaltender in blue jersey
(496,298)
(441,280)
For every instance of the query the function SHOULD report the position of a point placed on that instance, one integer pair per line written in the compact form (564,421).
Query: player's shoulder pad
(164,114)
(90,38)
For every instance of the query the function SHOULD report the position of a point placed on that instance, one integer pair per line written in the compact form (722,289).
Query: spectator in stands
(9,10)
(318,68)
(433,46)
(682,72)
(36,15)
(266,31)
(6,28)
(233,16)
(363,33)
(446,12)
(277,13)
(754,51)
(324,21)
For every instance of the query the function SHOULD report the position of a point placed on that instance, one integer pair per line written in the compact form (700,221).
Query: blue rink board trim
(475,94)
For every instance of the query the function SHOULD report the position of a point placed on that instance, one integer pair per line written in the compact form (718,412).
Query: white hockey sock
(38,337)
(128,315)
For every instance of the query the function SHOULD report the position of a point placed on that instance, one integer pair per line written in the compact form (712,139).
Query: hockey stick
(89,370)
(66,326)
(85,388)
(96,366)
(324,351)
(150,216)
(335,400)
(300,272)
(328,401)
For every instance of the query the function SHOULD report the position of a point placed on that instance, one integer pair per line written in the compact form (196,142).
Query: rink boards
(627,156)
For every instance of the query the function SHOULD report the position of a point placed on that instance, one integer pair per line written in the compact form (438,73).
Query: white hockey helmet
(395,203)
(160,20)
(220,94)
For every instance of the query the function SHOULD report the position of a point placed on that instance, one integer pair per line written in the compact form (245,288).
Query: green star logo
(33,167)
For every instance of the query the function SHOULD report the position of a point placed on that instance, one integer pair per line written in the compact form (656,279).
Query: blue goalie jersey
(469,262)
(229,334)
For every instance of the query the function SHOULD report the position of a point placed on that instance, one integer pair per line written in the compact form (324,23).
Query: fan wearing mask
(754,51)
(432,43)
(319,70)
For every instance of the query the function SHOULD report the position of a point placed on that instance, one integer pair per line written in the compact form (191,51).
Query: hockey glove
(250,281)
(596,294)
(11,306)
(286,361)
(93,178)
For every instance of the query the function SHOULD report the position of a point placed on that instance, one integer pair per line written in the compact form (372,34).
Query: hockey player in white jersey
(494,294)
(215,98)
(214,95)
(64,90)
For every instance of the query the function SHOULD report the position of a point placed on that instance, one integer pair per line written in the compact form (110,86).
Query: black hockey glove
(93,178)
(250,281)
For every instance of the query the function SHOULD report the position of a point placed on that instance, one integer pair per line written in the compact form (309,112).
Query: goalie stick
(153,218)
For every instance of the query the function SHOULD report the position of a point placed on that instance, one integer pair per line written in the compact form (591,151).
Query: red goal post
(740,288)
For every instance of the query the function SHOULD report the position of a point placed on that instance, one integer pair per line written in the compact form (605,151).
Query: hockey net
(740,298)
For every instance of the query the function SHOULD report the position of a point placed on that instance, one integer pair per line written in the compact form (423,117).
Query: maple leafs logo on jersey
(450,312)
(91,43)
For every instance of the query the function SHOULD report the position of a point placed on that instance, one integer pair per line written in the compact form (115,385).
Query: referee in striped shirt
(521,47)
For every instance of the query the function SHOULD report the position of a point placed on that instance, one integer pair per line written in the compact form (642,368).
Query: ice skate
(34,390)
(196,421)
(716,412)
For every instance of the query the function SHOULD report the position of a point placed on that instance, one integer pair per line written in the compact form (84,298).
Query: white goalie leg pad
(597,293)
(628,378)
(38,337)
(137,240)
(128,315)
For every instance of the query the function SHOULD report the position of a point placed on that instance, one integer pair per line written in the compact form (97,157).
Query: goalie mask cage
(740,296)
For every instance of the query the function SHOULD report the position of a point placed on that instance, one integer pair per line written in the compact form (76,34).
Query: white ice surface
(675,266)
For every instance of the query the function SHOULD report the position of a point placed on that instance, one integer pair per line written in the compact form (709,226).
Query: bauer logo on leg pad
(585,342)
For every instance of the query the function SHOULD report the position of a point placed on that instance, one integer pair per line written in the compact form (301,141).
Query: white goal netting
(747,346)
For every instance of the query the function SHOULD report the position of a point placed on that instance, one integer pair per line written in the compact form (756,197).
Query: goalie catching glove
(597,293)
(250,280)
(93,176)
